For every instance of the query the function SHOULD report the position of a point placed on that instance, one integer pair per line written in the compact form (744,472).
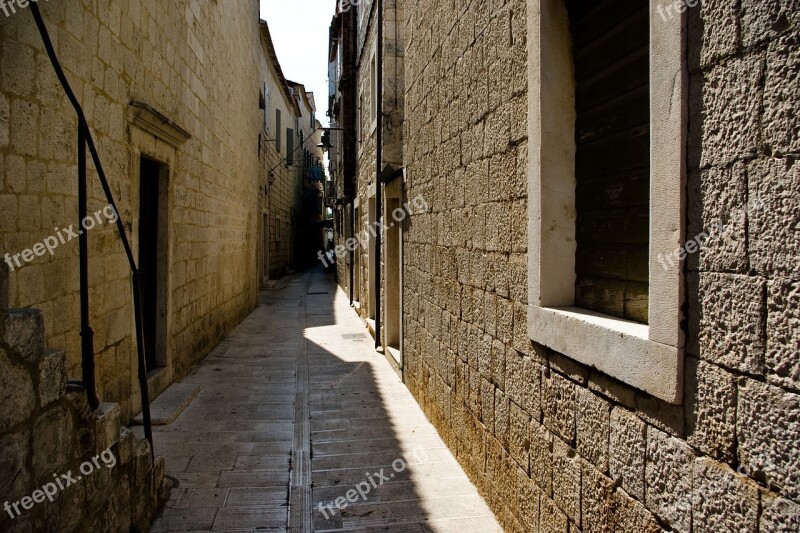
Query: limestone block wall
(194,62)
(554,445)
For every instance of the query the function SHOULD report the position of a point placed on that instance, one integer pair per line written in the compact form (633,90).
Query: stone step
(23,332)
(172,402)
(107,425)
(52,377)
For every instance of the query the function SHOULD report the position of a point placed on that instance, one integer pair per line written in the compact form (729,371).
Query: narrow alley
(300,378)
(529,266)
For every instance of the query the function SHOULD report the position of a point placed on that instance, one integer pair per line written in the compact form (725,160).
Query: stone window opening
(646,354)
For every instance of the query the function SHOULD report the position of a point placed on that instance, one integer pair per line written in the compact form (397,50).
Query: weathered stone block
(541,457)
(24,333)
(722,500)
(593,428)
(76,396)
(766,20)
(631,515)
(519,438)
(53,442)
(627,449)
(768,431)
(668,479)
(717,220)
(522,342)
(710,409)
(614,390)
(597,500)
(516,384)
(143,462)
(774,237)
(732,322)
(16,393)
(484,356)
(126,449)
(107,426)
(3,289)
(505,320)
(502,413)
(779,515)
(728,128)
(781,94)
(567,480)
(499,364)
(551,518)
(558,404)
(14,452)
(569,368)
(52,377)
(713,32)
(487,404)
(518,281)
(527,495)
(783,333)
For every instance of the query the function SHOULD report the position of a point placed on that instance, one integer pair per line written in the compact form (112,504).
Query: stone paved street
(298,378)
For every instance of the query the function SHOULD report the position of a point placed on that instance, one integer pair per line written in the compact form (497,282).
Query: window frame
(649,356)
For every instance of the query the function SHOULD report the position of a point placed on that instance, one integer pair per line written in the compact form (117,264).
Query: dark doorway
(266,247)
(392,265)
(152,257)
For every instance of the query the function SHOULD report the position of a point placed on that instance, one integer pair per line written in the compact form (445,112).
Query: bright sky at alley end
(300,30)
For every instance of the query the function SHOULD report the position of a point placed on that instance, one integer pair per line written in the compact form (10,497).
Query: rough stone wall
(365,155)
(48,431)
(554,445)
(195,62)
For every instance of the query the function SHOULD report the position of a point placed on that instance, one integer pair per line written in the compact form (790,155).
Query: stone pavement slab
(171,403)
(299,425)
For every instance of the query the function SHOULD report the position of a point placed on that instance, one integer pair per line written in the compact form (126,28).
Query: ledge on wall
(152,121)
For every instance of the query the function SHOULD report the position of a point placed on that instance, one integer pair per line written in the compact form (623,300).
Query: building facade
(598,302)
(283,107)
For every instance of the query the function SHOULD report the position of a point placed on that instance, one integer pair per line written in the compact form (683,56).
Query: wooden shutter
(611,51)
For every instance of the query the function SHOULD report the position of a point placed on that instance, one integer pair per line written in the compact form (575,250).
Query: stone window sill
(617,347)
